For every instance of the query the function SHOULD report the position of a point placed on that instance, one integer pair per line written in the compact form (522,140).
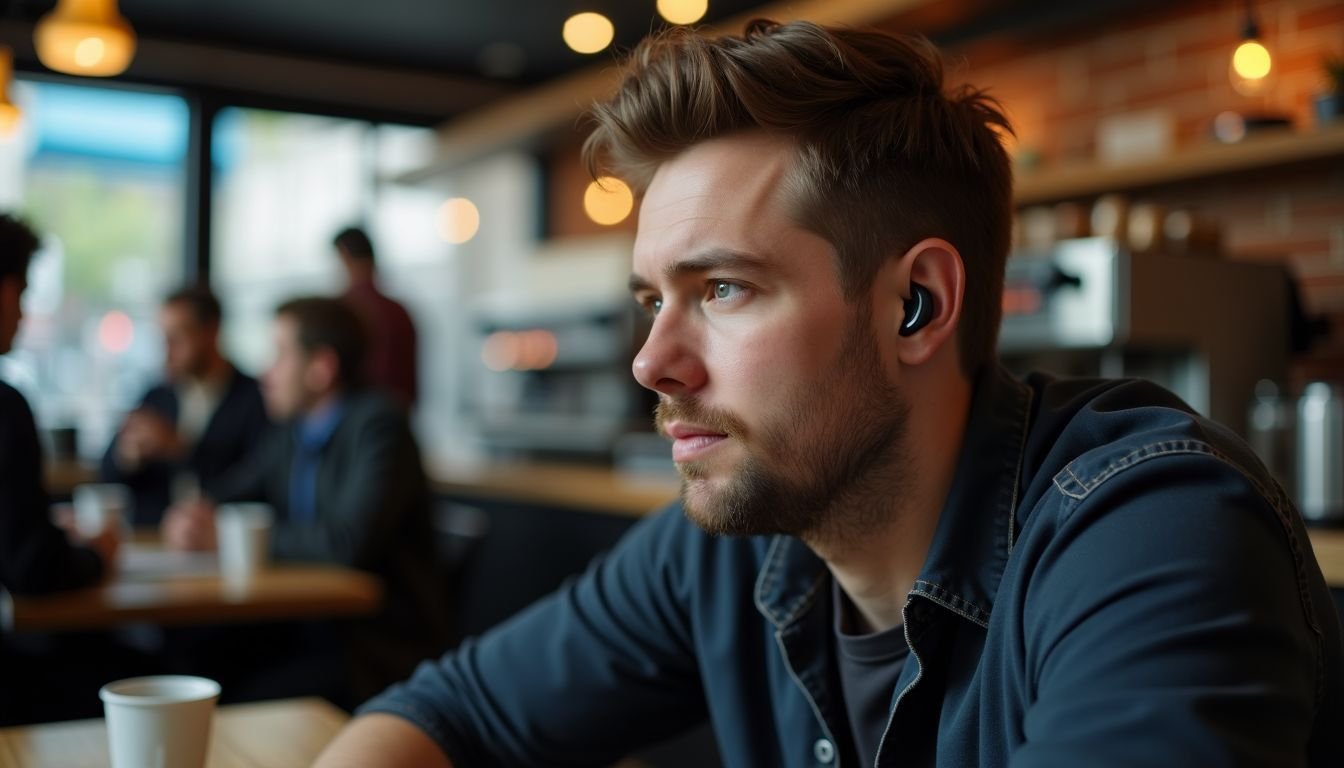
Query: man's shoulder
(1085,432)
(11,400)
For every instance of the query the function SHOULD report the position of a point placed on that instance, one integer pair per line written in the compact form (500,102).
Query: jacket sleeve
(361,514)
(35,555)
(1197,645)
(248,479)
(589,674)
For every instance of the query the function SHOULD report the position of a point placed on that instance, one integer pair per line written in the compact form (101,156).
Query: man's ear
(323,371)
(929,279)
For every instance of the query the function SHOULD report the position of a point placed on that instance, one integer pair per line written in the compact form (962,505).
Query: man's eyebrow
(707,261)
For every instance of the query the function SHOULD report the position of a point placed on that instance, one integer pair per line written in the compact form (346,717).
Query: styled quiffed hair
(18,243)
(329,323)
(887,156)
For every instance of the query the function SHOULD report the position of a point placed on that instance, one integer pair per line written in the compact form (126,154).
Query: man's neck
(214,375)
(878,568)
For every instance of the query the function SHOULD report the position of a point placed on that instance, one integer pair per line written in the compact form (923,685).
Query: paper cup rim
(189,689)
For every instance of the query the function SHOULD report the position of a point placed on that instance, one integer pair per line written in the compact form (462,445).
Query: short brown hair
(200,301)
(330,323)
(886,156)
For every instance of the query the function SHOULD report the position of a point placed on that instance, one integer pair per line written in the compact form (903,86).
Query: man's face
(770,384)
(285,385)
(187,343)
(11,310)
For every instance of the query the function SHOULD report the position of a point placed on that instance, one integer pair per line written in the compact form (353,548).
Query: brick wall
(1058,83)
(1057,86)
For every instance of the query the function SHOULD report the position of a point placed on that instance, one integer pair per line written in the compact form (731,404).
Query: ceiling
(426,61)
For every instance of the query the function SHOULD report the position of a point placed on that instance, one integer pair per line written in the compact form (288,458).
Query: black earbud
(918,309)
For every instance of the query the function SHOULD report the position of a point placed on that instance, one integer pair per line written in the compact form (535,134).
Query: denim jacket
(1113,581)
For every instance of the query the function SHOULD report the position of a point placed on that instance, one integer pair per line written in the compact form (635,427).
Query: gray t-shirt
(869,667)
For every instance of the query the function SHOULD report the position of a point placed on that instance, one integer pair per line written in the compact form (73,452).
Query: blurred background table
(175,589)
(276,734)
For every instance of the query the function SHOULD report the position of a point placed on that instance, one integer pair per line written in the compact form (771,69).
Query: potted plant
(1330,104)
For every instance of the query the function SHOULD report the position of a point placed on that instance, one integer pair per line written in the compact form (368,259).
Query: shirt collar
(975,531)
(316,428)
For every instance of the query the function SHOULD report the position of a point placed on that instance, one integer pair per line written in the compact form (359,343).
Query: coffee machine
(1205,328)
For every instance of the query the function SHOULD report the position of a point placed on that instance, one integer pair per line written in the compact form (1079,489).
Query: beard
(826,466)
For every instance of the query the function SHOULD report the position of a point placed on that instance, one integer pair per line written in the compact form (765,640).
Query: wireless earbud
(918,309)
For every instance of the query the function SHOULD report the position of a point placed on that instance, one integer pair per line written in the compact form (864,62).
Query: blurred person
(888,550)
(392,364)
(197,424)
(343,473)
(36,556)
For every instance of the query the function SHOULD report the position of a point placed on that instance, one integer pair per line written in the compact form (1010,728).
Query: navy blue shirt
(1113,581)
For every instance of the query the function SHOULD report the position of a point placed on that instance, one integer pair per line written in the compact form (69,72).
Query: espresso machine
(1205,328)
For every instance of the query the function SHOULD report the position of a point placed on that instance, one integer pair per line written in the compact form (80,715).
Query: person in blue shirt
(343,473)
(888,551)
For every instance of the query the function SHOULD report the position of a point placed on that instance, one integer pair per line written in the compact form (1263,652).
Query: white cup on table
(100,506)
(159,722)
(243,536)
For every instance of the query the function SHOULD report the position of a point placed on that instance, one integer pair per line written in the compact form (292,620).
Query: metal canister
(1320,452)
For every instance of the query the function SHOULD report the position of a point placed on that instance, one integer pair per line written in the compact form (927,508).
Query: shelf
(1203,161)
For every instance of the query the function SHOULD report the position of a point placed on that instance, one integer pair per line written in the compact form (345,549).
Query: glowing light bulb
(1251,60)
(588,32)
(682,11)
(608,201)
(458,220)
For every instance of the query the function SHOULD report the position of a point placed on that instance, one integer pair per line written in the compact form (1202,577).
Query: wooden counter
(276,734)
(575,486)
(603,489)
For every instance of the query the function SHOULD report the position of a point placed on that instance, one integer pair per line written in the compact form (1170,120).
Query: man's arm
(1166,625)
(382,740)
(600,668)
(35,555)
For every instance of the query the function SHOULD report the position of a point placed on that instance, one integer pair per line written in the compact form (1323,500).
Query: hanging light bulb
(682,11)
(85,37)
(588,32)
(1251,61)
(9,111)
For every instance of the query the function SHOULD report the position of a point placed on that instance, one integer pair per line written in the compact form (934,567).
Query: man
(36,557)
(393,357)
(891,552)
(343,473)
(191,429)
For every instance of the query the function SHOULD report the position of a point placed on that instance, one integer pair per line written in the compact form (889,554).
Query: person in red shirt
(393,364)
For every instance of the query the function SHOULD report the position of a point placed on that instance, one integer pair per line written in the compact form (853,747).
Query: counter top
(610,491)
(576,486)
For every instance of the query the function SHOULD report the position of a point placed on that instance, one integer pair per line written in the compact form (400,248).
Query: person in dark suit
(195,426)
(36,556)
(344,475)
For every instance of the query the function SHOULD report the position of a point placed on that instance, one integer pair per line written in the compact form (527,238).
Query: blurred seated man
(194,427)
(36,556)
(344,475)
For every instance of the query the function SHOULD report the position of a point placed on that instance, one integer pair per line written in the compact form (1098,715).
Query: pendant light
(1251,61)
(85,37)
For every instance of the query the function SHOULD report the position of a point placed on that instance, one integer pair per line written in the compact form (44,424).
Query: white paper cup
(243,534)
(159,722)
(99,506)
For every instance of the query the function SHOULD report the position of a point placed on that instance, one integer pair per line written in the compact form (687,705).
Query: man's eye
(653,306)
(725,290)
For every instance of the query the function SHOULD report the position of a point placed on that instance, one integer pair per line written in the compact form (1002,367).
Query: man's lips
(692,441)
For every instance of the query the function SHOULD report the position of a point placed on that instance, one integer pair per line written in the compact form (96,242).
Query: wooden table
(277,734)
(159,591)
